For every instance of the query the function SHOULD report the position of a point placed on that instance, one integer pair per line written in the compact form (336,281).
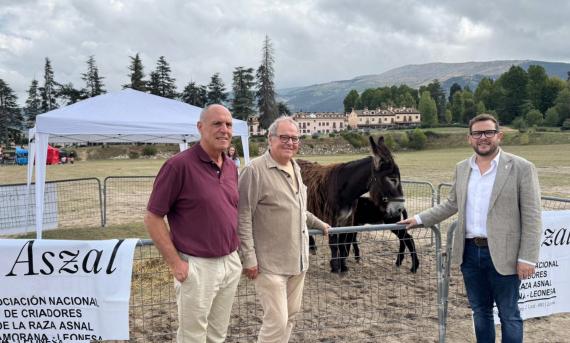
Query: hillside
(329,96)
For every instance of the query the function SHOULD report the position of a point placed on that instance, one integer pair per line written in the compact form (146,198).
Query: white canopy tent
(120,117)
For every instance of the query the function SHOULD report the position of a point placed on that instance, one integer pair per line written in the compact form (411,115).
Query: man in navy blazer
(497,198)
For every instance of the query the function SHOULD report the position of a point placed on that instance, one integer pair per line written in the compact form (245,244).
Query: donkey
(333,191)
(366,212)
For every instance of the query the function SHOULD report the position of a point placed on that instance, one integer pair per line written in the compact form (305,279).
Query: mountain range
(329,96)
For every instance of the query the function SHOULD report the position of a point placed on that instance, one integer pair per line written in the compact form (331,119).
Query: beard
(492,150)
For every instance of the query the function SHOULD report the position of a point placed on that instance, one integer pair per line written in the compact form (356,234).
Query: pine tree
(49,89)
(153,86)
(33,104)
(265,88)
(514,85)
(10,115)
(68,94)
(428,109)
(194,94)
(93,82)
(137,75)
(243,103)
(438,95)
(283,109)
(161,83)
(457,107)
(216,90)
(349,101)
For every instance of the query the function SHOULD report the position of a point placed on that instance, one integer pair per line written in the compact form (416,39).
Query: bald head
(215,128)
(213,109)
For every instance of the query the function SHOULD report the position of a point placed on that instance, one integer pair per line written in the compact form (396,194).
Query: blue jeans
(485,285)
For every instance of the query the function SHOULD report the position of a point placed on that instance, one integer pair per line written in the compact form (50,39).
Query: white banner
(65,291)
(548,290)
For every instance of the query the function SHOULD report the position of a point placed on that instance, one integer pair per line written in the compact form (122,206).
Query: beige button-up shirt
(273,218)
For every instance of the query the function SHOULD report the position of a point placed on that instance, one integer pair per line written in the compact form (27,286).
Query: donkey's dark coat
(333,191)
(366,212)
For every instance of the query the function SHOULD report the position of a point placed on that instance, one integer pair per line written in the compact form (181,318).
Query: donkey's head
(385,185)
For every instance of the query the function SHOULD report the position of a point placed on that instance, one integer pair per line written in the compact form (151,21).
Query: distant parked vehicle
(21,156)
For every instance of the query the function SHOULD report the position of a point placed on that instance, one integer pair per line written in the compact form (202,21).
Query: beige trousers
(280,297)
(205,298)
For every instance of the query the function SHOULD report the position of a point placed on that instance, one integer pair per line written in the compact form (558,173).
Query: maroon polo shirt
(200,201)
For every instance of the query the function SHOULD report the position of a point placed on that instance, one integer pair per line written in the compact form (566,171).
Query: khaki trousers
(280,297)
(205,298)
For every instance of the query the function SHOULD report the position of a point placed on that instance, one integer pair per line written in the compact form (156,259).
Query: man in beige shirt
(273,230)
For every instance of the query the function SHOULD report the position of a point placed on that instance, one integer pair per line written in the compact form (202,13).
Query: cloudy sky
(315,41)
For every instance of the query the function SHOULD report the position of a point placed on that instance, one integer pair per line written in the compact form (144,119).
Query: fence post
(101,204)
(105,201)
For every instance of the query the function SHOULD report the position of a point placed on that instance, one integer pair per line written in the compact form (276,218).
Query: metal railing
(373,301)
(125,198)
(67,203)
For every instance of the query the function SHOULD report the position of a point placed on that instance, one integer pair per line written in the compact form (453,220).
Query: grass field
(435,166)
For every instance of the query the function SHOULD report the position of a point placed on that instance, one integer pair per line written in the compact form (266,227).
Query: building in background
(327,122)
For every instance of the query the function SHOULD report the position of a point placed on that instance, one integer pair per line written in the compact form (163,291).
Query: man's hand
(524,270)
(410,222)
(251,273)
(180,270)
(326,230)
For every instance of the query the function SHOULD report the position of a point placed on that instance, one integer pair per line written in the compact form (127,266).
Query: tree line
(518,97)
(253,92)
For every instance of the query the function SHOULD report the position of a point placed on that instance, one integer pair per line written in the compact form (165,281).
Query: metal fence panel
(67,204)
(374,301)
(126,198)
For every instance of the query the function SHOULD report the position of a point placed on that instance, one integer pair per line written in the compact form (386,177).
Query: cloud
(314,40)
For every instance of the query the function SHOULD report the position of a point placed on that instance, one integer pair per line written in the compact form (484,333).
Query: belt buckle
(480,241)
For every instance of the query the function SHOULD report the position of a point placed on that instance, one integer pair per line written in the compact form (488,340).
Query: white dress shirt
(478,196)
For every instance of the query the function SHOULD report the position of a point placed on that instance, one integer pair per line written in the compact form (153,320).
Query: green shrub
(417,139)
(355,139)
(133,155)
(534,117)
(253,149)
(390,142)
(403,141)
(524,138)
(551,118)
(520,124)
(149,150)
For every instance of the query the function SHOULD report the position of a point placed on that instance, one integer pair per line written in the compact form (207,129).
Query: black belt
(479,241)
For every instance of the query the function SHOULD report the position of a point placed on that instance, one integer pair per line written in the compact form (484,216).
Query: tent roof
(126,116)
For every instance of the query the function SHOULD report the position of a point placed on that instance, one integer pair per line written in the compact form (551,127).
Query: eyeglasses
(487,133)
(285,139)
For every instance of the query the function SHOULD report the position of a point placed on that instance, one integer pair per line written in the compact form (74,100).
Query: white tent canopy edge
(125,116)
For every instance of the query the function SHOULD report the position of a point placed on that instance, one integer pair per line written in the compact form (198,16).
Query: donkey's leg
(400,234)
(344,246)
(356,247)
(411,245)
(335,253)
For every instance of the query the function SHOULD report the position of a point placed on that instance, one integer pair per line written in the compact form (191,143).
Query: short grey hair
(208,108)
(272,131)
(203,112)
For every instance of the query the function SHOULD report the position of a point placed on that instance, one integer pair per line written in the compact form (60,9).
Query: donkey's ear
(373,145)
(380,140)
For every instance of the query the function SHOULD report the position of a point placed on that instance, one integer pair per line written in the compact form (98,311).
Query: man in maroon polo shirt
(197,191)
